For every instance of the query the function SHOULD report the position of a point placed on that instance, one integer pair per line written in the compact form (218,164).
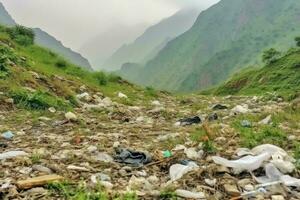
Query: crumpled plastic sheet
(12,154)
(178,170)
(134,158)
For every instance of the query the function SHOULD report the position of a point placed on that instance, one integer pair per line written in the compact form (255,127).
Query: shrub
(101,78)
(151,92)
(270,56)
(6,57)
(38,100)
(61,64)
(297,39)
(22,35)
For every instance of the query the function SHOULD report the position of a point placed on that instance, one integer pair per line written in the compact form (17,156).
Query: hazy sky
(75,21)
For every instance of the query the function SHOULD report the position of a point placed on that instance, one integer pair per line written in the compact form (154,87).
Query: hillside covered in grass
(37,78)
(280,75)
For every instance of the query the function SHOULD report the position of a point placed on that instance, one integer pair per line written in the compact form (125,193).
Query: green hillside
(152,40)
(38,78)
(45,40)
(226,37)
(282,76)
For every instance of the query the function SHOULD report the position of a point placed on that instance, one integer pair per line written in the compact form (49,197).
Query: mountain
(225,38)
(45,40)
(281,76)
(103,45)
(152,40)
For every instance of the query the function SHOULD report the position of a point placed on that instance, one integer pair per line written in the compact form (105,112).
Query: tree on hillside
(297,39)
(270,56)
(22,35)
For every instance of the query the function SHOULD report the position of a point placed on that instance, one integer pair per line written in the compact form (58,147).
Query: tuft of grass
(36,158)
(80,192)
(201,135)
(38,100)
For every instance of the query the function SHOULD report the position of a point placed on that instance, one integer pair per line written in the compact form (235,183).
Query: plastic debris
(191,153)
(189,121)
(219,107)
(121,95)
(167,154)
(190,195)
(178,170)
(132,157)
(12,154)
(8,135)
(246,124)
(213,117)
(247,163)
(240,109)
(266,121)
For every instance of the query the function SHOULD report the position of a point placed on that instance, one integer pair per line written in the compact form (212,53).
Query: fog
(75,22)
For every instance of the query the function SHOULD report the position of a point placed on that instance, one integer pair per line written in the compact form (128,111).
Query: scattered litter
(76,168)
(12,154)
(213,117)
(247,163)
(190,195)
(178,170)
(189,121)
(219,107)
(193,154)
(167,154)
(266,121)
(132,157)
(103,157)
(246,124)
(121,95)
(8,135)
(38,181)
(240,109)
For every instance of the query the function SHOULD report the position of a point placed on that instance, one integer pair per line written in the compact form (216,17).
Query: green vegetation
(270,56)
(201,135)
(223,40)
(37,78)
(281,77)
(79,192)
(297,39)
(22,35)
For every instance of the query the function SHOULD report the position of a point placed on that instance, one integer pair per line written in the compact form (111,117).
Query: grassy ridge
(37,78)
(281,76)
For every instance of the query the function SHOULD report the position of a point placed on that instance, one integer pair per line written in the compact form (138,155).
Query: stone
(92,149)
(193,154)
(8,135)
(52,109)
(155,103)
(210,182)
(277,197)
(190,195)
(249,187)
(292,137)
(41,168)
(246,123)
(240,109)
(71,116)
(231,189)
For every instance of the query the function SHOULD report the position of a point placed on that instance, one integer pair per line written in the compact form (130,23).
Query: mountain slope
(153,40)
(226,37)
(281,76)
(45,40)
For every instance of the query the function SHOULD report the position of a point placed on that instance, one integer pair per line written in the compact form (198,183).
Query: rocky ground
(80,147)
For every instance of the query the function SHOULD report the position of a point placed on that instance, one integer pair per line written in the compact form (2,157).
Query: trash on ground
(8,135)
(38,181)
(219,107)
(247,163)
(167,154)
(190,195)
(189,121)
(213,117)
(246,124)
(266,121)
(12,154)
(132,157)
(178,170)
